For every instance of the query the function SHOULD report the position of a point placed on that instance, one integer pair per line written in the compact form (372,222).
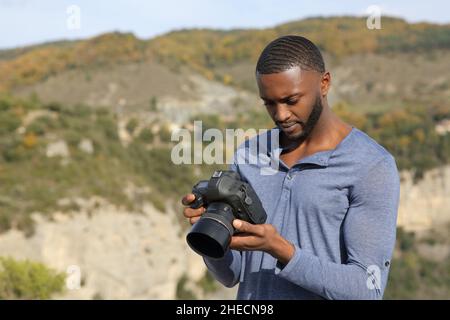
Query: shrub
(8,122)
(28,280)
(208,283)
(132,125)
(146,135)
(182,292)
(42,125)
(108,126)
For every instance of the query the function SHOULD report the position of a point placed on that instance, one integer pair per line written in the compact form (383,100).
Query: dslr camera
(226,197)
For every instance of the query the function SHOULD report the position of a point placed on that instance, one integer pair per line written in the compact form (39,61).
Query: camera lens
(211,234)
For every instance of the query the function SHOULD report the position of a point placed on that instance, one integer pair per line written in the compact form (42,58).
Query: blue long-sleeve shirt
(337,207)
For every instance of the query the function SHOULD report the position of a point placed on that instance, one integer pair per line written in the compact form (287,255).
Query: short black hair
(288,52)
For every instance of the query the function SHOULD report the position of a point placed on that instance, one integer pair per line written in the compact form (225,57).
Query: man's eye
(292,102)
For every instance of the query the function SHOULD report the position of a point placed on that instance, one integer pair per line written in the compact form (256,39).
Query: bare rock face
(57,149)
(86,145)
(119,254)
(427,203)
(209,97)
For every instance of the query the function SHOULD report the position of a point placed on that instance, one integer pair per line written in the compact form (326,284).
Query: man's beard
(308,127)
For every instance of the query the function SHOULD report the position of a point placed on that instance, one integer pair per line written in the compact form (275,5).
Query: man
(332,204)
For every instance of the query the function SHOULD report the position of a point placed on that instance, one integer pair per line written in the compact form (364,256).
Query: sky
(25,22)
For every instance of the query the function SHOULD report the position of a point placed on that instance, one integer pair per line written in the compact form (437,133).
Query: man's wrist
(282,250)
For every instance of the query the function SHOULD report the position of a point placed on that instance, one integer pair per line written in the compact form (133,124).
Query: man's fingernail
(237,223)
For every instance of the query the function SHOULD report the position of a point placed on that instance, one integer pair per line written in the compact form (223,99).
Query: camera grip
(198,201)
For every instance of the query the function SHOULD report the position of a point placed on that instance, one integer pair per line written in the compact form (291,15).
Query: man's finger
(236,243)
(242,241)
(190,213)
(244,226)
(187,199)
(193,220)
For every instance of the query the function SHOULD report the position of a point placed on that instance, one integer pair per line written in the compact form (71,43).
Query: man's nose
(281,113)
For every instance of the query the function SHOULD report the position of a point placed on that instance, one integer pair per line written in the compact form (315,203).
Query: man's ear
(325,83)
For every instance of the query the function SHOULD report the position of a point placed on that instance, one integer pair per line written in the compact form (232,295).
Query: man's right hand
(192,214)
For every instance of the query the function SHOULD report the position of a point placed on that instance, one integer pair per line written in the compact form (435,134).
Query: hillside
(229,56)
(53,151)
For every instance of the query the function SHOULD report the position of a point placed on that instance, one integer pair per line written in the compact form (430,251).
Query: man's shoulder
(370,157)
(367,149)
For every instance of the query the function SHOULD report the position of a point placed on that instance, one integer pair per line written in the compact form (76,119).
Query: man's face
(293,100)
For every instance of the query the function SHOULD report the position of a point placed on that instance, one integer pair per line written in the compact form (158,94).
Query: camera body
(226,197)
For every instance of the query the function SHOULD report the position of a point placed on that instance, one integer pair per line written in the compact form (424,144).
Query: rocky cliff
(143,255)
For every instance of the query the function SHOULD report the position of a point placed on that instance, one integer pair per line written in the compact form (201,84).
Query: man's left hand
(262,237)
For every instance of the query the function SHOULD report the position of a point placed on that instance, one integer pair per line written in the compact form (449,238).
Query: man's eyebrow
(285,98)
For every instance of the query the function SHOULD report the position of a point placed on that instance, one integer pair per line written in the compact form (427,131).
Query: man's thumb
(239,224)
(187,199)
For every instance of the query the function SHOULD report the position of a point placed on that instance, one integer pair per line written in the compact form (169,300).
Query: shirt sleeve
(226,270)
(369,231)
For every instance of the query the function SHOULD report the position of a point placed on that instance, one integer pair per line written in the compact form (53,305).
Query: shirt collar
(320,158)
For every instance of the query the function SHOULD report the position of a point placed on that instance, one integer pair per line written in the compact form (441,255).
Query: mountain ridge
(204,50)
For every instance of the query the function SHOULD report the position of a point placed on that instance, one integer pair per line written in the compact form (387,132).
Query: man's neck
(326,135)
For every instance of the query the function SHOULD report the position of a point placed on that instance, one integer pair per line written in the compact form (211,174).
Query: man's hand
(263,237)
(192,214)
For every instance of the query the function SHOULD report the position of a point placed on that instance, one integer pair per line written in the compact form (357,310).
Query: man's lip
(285,126)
